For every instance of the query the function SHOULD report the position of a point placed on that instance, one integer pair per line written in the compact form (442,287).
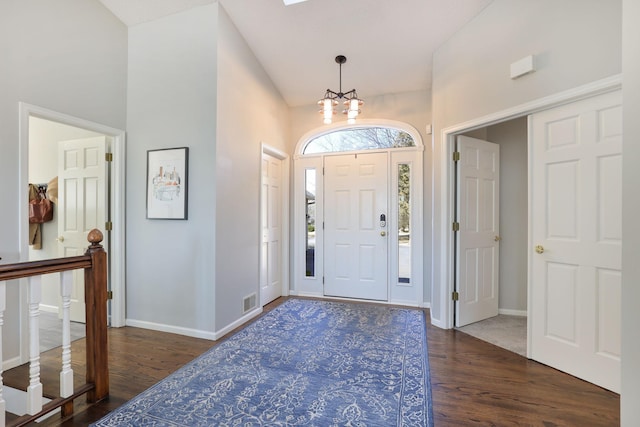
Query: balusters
(34,391)
(96,387)
(3,306)
(66,375)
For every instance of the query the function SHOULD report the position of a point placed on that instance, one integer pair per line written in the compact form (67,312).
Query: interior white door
(355,210)
(477,249)
(82,204)
(575,268)
(271,225)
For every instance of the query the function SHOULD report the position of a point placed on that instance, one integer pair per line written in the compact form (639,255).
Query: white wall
(250,112)
(44,136)
(172,103)
(574,41)
(630,396)
(68,56)
(194,82)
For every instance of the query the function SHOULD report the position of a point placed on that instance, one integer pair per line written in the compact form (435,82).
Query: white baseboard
(195,333)
(509,312)
(11,363)
(241,321)
(49,308)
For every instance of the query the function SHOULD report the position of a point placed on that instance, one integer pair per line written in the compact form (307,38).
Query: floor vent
(249,303)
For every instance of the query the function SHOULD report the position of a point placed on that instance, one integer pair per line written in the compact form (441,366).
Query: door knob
(60,239)
(383,233)
(539,249)
(497,239)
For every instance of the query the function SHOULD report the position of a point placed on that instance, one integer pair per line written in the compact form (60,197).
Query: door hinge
(323,280)
(455,296)
(108,157)
(456,156)
(456,226)
(108,226)
(109,294)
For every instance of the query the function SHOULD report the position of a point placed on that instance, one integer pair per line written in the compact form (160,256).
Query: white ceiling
(389,44)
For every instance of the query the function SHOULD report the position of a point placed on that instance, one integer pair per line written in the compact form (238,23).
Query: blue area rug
(306,363)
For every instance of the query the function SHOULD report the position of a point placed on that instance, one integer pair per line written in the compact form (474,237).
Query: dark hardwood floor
(474,383)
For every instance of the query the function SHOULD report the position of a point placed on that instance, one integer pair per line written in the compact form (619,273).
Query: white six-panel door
(477,249)
(271,225)
(355,239)
(81,204)
(575,268)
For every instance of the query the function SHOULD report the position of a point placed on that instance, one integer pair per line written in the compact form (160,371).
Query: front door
(356,232)
(575,268)
(82,204)
(477,248)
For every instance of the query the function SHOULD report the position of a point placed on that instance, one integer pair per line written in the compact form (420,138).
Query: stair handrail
(94,263)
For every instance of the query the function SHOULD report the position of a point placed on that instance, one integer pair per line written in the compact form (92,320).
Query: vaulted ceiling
(389,44)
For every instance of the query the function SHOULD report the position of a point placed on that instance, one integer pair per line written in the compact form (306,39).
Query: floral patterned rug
(306,363)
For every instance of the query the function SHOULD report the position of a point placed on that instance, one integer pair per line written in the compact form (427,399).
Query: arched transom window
(359,138)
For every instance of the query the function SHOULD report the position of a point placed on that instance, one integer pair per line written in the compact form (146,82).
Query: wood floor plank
(474,383)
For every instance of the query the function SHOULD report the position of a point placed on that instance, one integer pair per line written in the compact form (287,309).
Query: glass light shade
(327,109)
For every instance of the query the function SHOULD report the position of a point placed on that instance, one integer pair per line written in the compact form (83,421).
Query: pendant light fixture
(331,99)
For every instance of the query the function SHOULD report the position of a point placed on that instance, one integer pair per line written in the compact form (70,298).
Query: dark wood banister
(94,263)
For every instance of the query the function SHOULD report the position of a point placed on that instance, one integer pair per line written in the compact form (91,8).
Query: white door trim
(286,166)
(444,189)
(117,257)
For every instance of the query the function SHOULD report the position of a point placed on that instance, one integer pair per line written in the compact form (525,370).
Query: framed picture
(167,172)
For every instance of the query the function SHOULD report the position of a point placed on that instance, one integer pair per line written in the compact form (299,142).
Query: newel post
(95,291)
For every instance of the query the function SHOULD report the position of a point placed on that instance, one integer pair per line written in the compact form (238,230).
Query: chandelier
(331,100)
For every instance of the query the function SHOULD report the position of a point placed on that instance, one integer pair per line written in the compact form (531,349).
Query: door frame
(443,247)
(284,211)
(117,184)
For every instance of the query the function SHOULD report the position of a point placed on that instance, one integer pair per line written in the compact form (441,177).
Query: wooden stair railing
(94,263)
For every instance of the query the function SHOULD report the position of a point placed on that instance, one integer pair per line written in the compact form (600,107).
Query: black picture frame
(167,183)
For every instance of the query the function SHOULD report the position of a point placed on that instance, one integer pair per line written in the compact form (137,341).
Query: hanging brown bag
(40,209)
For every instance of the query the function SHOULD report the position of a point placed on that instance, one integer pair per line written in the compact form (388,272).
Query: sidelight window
(404,223)
(310,223)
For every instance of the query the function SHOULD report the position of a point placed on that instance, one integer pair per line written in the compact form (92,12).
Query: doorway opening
(43,134)
(547,315)
(505,326)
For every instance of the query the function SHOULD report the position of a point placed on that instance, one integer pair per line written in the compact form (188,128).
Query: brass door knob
(60,239)
(539,249)
(497,239)
(383,233)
